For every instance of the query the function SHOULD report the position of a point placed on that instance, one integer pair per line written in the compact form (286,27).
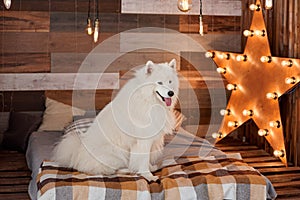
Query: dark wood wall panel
(22,101)
(24,21)
(24,62)
(17,42)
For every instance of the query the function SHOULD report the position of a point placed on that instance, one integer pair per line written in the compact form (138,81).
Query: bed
(191,168)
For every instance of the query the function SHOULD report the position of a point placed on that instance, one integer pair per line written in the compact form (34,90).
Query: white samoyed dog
(128,134)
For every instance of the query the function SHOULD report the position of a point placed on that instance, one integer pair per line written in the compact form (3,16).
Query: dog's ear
(149,67)
(172,63)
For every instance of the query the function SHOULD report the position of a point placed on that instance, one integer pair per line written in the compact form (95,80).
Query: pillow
(58,115)
(21,125)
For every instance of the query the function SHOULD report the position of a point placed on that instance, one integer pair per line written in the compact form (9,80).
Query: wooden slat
(25,62)
(15,181)
(279,170)
(260,159)
(190,23)
(268,164)
(49,42)
(12,189)
(25,21)
(58,81)
(13,174)
(283,177)
(14,196)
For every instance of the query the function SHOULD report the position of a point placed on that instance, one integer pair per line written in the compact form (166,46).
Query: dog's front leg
(140,158)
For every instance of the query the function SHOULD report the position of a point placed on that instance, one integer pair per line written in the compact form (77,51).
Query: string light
(268,4)
(221,70)
(261,33)
(248,113)
(287,63)
(290,80)
(232,124)
(217,135)
(263,132)
(248,33)
(184,5)
(7,4)
(266,59)
(224,112)
(209,54)
(231,86)
(274,124)
(241,58)
(278,153)
(272,95)
(224,56)
(254,7)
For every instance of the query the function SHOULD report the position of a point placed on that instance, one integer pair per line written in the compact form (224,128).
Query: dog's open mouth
(167,100)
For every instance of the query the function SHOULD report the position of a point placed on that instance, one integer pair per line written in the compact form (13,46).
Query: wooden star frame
(257,80)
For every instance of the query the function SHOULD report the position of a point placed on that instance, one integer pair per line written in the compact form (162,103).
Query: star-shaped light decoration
(257,80)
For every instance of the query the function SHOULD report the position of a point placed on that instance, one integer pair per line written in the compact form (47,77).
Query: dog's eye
(170,81)
(159,83)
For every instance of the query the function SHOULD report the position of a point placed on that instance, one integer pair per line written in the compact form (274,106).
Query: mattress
(191,168)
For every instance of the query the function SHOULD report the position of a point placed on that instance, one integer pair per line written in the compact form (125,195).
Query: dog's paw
(149,176)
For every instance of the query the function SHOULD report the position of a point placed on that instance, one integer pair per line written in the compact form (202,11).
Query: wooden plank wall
(283,24)
(48,36)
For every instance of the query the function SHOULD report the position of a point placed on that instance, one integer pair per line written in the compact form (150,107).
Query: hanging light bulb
(231,86)
(217,135)
(232,124)
(96,32)
(278,153)
(290,80)
(274,124)
(287,63)
(268,4)
(266,59)
(89,27)
(7,4)
(97,23)
(241,58)
(201,28)
(184,5)
(272,95)
(248,33)
(209,54)
(263,132)
(248,113)
(224,112)
(254,7)
(221,70)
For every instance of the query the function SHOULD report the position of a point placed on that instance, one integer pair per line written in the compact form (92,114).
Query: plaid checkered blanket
(192,175)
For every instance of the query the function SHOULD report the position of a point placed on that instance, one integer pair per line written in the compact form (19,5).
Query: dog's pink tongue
(168,101)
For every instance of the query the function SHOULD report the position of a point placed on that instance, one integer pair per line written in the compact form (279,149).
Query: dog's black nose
(170,93)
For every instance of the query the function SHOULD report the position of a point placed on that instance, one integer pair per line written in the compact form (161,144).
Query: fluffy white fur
(129,132)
